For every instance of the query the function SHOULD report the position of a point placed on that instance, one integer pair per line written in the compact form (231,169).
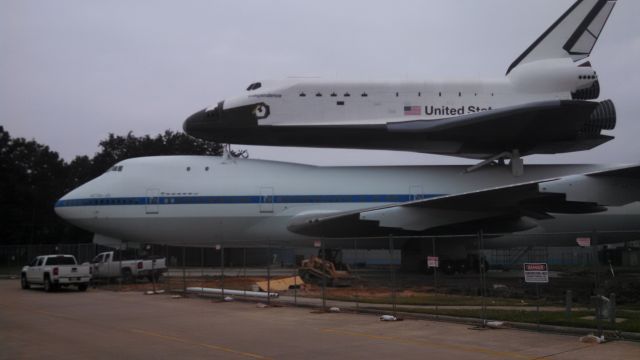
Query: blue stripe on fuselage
(250,199)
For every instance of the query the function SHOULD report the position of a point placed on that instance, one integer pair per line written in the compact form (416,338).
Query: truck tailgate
(73,271)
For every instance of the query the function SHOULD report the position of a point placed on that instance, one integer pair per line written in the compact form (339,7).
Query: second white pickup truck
(113,264)
(54,271)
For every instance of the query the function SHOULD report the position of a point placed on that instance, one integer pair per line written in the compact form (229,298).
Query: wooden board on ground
(280,284)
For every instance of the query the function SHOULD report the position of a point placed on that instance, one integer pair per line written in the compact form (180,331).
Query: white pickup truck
(54,271)
(113,264)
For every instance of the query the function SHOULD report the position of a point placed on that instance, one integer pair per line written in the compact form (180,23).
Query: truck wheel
(126,275)
(48,286)
(82,287)
(24,283)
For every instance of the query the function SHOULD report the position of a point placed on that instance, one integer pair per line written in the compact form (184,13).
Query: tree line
(33,177)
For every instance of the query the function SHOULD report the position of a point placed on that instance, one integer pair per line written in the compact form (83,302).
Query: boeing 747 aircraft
(542,106)
(200,200)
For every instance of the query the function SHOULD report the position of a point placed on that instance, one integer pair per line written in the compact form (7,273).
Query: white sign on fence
(536,273)
(433,261)
(584,241)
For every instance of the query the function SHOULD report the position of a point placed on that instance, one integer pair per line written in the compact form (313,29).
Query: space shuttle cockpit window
(254,86)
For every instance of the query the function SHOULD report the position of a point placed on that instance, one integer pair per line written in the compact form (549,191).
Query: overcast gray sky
(73,71)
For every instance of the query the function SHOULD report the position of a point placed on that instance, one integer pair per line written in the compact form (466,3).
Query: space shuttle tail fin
(572,36)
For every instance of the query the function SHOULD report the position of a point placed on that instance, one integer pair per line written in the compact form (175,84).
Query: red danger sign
(536,273)
(584,241)
(535,267)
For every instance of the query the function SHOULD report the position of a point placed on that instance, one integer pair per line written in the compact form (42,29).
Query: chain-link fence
(584,284)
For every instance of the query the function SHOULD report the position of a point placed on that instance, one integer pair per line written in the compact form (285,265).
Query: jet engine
(602,118)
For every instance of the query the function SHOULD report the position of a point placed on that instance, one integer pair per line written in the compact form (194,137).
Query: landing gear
(516,163)
(231,154)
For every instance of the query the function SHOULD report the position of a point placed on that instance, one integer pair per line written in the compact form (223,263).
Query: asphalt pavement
(129,325)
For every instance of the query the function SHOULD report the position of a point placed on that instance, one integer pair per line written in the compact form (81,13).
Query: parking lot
(108,324)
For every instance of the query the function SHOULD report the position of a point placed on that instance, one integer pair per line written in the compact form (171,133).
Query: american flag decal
(412,110)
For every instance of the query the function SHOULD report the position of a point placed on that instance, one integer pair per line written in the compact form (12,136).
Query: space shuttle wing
(527,127)
(502,209)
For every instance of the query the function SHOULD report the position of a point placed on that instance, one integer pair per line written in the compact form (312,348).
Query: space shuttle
(547,103)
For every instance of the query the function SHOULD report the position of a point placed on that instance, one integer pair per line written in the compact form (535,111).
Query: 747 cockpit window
(254,86)
(116,168)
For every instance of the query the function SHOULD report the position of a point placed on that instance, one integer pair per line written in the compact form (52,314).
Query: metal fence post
(269,274)
(612,309)
(538,306)
(202,275)
(164,252)
(244,269)
(356,295)
(184,269)
(222,271)
(9,267)
(482,276)
(137,256)
(392,274)
(568,304)
(295,284)
(599,312)
(153,274)
(435,275)
(596,264)
(120,266)
(324,276)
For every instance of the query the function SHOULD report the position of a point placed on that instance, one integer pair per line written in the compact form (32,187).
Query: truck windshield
(61,260)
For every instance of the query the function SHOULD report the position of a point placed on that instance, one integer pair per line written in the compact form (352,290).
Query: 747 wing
(502,209)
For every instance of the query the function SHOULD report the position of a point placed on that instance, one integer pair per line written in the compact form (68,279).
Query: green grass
(632,323)
(430,299)
(628,312)
(632,307)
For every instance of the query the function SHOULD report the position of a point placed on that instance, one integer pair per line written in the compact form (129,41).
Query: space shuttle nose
(226,125)
(205,124)
(195,123)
